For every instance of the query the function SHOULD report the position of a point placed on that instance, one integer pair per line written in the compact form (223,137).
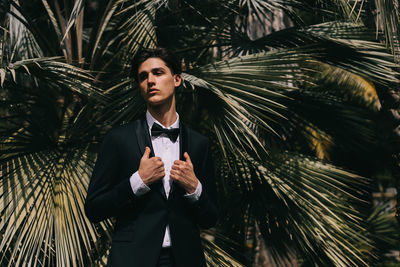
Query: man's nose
(151,79)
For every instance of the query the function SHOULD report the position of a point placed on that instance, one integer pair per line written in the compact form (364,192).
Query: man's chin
(153,103)
(153,100)
(157,102)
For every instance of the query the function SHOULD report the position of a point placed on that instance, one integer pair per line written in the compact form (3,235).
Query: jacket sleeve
(107,195)
(206,209)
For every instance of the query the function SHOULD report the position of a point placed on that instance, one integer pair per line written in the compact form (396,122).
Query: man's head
(157,72)
(164,54)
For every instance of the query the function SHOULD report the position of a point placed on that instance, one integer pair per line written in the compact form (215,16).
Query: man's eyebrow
(152,70)
(157,69)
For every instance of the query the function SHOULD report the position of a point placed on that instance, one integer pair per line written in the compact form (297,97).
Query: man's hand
(182,172)
(150,169)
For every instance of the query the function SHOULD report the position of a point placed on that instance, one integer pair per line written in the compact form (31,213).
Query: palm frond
(215,249)
(301,204)
(56,73)
(236,127)
(345,45)
(53,19)
(388,23)
(42,196)
(100,28)
(134,25)
(124,102)
(24,13)
(75,13)
(21,40)
(382,225)
(45,170)
(351,86)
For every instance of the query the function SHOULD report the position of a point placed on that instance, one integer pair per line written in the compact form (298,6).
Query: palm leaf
(388,21)
(215,249)
(134,28)
(56,73)
(301,204)
(42,205)
(45,172)
(75,13)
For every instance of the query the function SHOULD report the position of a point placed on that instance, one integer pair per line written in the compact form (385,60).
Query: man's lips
(152,90)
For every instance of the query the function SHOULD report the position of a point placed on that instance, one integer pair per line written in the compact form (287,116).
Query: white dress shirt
(168,151)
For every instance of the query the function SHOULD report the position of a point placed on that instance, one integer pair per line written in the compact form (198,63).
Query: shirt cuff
(193,197)
(138,187)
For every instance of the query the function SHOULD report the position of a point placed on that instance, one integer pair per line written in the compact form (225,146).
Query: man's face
(156,81)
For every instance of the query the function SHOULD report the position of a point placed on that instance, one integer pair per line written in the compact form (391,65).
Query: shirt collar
(150,120)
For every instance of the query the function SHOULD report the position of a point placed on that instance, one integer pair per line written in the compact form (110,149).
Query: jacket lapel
(144,139)
(183,141)
(183,147)
(143,136)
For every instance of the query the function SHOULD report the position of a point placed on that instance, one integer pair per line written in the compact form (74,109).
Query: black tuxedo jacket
(141,221)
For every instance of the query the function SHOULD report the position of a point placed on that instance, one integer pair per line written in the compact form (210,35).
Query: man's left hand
(182,172)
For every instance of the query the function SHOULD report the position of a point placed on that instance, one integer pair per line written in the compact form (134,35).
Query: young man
(155,176)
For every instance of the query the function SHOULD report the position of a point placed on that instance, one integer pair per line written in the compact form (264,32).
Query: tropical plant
(279,107)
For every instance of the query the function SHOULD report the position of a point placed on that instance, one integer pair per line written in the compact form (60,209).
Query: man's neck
(165,115)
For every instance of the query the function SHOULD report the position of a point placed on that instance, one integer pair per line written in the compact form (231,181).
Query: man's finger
(161,167)
(173,176)
(178,162)
(158,164)
(186,156)
(175,172)
(146,153)
(161,174)
(175,167)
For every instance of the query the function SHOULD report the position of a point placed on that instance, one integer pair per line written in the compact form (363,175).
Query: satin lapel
(184,141)
(144,139)
(183,147)
(143,136)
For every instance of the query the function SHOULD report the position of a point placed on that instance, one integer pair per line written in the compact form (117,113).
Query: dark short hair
(171,61)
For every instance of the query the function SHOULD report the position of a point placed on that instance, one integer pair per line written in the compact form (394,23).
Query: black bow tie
(172,134)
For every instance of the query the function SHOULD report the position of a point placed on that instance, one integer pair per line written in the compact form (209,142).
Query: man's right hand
(151,169)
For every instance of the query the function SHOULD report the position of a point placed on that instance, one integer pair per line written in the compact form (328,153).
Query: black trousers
(166,259)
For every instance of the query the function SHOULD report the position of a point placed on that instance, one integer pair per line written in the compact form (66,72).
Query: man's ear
(177,79)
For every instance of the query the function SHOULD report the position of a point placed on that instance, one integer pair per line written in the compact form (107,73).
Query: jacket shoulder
(123,128)
(121,132)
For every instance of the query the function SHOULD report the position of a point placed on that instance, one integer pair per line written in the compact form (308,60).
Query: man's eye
(142,77)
